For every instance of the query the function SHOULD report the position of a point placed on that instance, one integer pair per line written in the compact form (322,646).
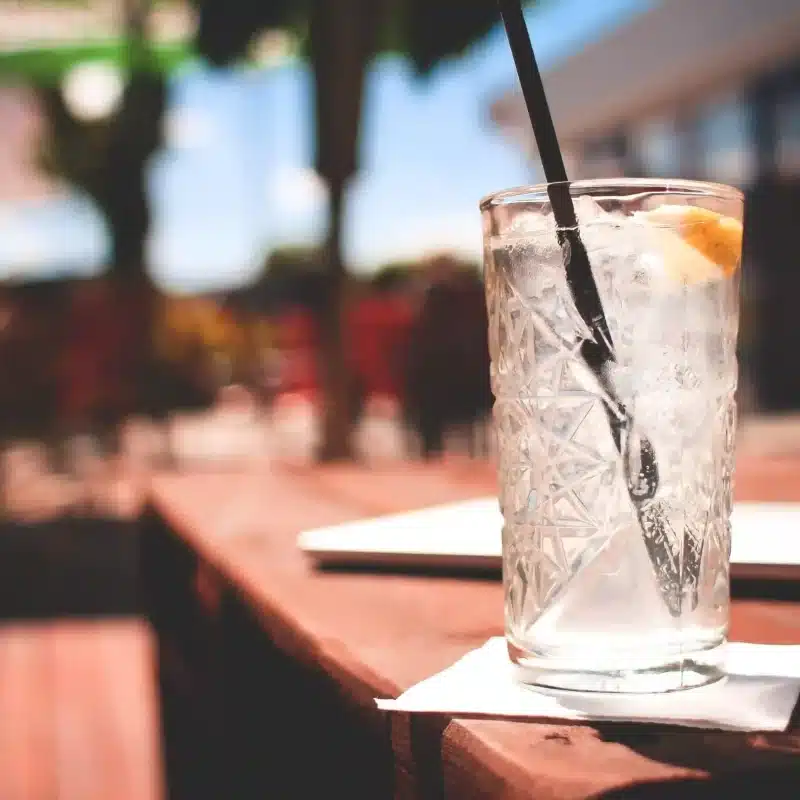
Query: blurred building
(710,91)
(707,89)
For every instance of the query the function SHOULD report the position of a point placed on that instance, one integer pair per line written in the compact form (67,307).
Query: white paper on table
(759,693)
(467,535)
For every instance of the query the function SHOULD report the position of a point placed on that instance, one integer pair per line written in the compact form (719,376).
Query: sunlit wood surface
(78,712)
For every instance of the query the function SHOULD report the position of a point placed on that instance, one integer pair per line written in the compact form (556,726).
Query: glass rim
(538,192)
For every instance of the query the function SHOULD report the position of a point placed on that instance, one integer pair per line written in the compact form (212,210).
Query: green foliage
(285,260)
(227,27)
(437,29)
(395,274)
(47,66)
(427,31)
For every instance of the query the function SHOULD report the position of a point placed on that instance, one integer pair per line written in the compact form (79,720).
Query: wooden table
(78,715)
(279,664)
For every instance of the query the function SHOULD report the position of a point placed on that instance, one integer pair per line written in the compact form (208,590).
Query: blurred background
(220,223)
(236,233)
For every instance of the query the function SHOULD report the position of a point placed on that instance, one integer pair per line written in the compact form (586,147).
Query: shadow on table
(788,590)
(70,566)
(747,765)
(766,783)
(741,588)
(412,570)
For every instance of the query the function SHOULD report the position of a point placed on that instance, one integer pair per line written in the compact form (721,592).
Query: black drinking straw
(598,350)
(579,271)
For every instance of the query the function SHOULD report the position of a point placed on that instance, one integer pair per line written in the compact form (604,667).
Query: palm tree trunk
(134,136)
(335,370)
(344,38)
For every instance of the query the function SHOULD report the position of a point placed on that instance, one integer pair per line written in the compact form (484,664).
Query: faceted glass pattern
(589,578)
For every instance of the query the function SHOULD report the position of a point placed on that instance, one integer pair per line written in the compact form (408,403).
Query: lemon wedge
(698,245)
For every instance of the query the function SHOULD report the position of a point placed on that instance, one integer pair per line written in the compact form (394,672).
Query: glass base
(685,671)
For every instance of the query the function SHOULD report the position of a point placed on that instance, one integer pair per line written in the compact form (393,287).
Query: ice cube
(532,266)
(588,210)
(534,224)
(525,224)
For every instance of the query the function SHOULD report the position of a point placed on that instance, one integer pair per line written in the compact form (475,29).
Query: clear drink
(608,588)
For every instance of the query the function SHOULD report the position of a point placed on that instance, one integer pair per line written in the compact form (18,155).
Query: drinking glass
(613,582)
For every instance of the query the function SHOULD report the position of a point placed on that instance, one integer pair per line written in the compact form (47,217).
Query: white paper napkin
(758,694)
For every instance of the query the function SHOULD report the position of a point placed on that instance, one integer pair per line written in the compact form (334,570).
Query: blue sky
(235,180)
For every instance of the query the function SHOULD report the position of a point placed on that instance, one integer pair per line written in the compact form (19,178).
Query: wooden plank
(106,728)
(26,715)
(401,486)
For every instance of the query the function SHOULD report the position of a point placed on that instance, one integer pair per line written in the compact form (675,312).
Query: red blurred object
(378,331)
(376,339)
(296,337)
(98,368)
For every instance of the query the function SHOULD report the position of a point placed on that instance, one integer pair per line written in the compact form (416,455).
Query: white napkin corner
(759,693)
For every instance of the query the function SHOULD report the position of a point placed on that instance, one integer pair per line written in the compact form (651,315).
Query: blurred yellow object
(707,245)
(186,323)
(263,332)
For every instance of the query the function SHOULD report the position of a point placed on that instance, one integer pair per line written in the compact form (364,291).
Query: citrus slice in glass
(698,245)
